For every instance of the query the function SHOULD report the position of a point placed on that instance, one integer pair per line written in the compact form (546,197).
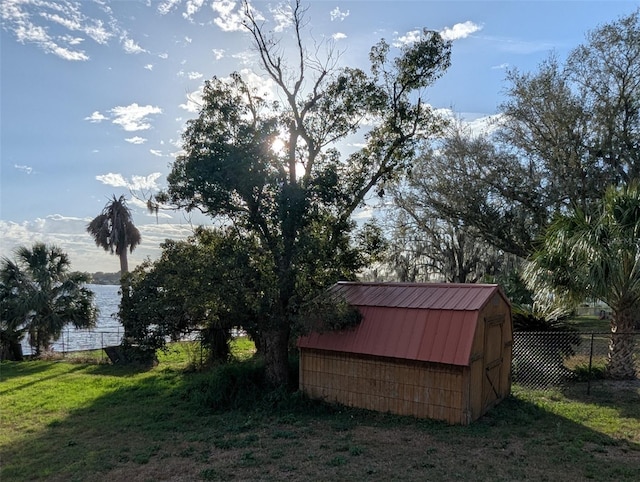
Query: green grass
(591,324)
(86,421)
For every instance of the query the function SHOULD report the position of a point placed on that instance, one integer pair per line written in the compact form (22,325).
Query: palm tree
(113,230)
(596,254)
(43,296)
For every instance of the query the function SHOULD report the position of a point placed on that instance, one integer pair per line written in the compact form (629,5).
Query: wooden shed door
(493,343)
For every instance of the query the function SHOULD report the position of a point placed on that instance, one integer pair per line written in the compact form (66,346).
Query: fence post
(590,365)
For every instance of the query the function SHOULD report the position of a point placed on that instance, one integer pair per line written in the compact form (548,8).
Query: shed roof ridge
(416,284)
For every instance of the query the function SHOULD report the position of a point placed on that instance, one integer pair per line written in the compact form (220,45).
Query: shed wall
(403,387)
(489,383)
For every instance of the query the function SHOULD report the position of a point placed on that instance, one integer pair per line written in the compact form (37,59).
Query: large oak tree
(298,201)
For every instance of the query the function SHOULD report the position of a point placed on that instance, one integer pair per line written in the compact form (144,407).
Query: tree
(566,131)
(463,206)
(596,254)
(41,297)
(297,202)
(209,283)
(114,231)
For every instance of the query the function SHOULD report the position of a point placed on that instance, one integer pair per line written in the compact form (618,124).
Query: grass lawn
(63,420)
(591,324)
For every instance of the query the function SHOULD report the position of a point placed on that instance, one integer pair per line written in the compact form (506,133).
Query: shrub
(241,385)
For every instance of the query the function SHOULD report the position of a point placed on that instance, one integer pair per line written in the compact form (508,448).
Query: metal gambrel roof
(434,322)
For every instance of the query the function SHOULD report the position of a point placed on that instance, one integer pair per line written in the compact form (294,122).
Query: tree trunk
(218,341)
(620,364)
(124,262)
(275,349)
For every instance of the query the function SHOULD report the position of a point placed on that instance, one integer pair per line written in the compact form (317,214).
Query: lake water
(108,330)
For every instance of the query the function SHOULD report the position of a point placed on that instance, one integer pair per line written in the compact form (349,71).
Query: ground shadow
(150,428)
(623,396)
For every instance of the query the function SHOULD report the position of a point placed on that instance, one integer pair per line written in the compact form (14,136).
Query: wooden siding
(424,390)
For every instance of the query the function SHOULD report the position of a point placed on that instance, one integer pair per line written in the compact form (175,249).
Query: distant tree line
(100,278)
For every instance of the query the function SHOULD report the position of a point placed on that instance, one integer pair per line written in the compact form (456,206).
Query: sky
(94,94)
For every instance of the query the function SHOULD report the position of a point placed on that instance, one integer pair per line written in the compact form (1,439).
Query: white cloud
(193,6)
(246,57)
(163,56)
(264,86)
(72,40)
(188,40)
(26,169)
(96,117)
(98,33)
(136,183)
(460,30)
(149,66)
(408,38)
(500,66)
(156,152)
(131,47)
(60,217)
(145,182)
(218,53)
(39,22)
(228,20)
(337,14)
(194,75)
(69,23)
(168,5)
(136,140)
(112,179)
(133,117)
(66,54)
(338,36)
(283,16)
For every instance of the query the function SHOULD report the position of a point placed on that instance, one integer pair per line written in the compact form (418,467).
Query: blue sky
(94,94)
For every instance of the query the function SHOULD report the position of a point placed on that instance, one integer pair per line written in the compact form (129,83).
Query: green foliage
(592,254)
(526,320)
(595,254)
(328,312)
(114,231)
(295,204)
(40,296)
(243,386)
(446,218)
(515,288)
(211,282)
(567,131)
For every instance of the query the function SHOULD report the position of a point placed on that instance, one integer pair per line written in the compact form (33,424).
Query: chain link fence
(545,360)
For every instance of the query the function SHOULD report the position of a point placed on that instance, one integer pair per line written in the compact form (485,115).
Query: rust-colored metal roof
(434,322)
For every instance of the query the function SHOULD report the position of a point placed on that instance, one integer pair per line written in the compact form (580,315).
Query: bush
(241,385)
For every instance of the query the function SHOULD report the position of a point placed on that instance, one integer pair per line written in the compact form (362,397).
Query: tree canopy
(595,254)
(114,231)
(40,296)
(297,202)
(563,135)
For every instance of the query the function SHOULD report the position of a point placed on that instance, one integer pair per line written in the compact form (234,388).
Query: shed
(430,350)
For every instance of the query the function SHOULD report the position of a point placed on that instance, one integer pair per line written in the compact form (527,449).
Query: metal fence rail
(550,359)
